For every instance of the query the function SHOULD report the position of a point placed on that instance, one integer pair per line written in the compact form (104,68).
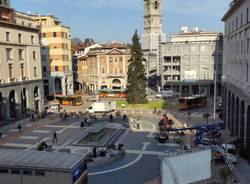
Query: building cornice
(233,8)
(20,27)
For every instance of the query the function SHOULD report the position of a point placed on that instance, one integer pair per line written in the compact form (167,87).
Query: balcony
(116,76)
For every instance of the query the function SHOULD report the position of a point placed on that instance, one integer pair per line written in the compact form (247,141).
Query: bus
(192,102)
(112,94)
(75,100)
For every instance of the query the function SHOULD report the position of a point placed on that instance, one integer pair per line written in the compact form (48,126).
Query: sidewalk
(27,126)
(242,169)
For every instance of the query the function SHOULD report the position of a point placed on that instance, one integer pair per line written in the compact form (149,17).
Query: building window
(44,69)
(237,20)
(156,5)
(242,47)
(44,57)
(34,55)
(54,34)
(20,54)
(247,72)
(15,171)
(22,70)
(247,16)
(241,19)
(237,47)
(39,173)
(7,36)
(56,68)
(27,172)
(32,39)
(4,171)
(247,45)
(44,35)
(110,59)
(10,71)
(19,38)
(120,59)
(9,54)
(35,71)
(103,70)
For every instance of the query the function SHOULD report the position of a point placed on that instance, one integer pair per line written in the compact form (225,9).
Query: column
(245,128)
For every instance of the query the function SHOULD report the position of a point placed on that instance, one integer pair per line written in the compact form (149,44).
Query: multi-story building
(81,68)
(56,56)
(107,67)
(190,62)
(236,78)
(187,63)
(21,85)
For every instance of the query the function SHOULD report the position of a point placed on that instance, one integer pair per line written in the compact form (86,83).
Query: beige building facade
(21,85)
(107,67)
(236,78)
(56,56)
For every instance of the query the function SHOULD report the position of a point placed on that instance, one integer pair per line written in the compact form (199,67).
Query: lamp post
(215,91)
(206,88)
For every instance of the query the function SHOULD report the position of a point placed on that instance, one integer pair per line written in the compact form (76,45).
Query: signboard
(190,75)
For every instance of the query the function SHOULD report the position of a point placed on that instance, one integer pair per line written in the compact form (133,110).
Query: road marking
(29,137)
(151,134)
(28,125)
(145,144)
(42,131)
(13,130)
(158,153)
(32,146)
(61,126)
(17,145)
(169,145)
(61,131)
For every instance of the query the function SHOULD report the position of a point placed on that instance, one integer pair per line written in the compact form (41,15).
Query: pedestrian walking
(82,124)
(111,117)
(19,127)
(124,117)
(55,137)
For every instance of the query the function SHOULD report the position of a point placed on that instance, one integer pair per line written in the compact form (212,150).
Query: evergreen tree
(137,81)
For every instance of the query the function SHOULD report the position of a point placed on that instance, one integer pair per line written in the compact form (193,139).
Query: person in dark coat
(19,127)
(55,137)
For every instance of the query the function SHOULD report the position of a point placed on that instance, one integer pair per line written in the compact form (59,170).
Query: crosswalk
(29,137)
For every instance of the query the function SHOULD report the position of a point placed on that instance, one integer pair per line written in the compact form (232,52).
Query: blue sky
(108,20)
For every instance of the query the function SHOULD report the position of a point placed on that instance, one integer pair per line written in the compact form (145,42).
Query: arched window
(156,5)
(116,81)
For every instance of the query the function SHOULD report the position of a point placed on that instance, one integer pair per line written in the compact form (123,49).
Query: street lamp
(215,91)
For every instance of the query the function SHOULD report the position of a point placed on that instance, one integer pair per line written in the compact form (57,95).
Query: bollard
(138,125)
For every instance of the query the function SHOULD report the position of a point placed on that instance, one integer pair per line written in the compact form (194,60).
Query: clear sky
(108,20)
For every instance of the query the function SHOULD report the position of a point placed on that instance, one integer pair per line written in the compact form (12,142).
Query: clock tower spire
(152,39)
(152,16)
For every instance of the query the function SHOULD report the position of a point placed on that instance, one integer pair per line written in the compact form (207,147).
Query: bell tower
(152,39)
(152,16)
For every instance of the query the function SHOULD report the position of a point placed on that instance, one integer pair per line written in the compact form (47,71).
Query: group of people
(85,122)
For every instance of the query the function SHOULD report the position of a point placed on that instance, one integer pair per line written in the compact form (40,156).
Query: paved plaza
(142,149)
